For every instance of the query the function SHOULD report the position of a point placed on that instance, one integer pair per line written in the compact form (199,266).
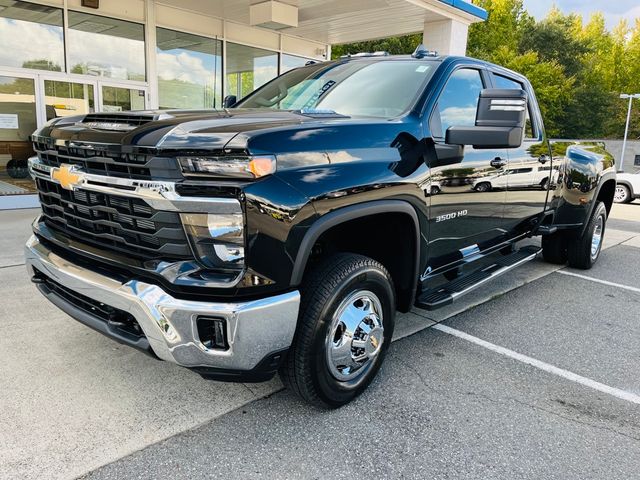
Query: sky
(614,10)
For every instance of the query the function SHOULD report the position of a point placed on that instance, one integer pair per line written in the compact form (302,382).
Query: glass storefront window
(248,68)
(17,123)
(106,47)
(63,99)
(289,62)
(189,70)
(31,36)
(119,99)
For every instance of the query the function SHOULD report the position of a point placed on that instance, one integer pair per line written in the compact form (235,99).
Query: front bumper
(259,331)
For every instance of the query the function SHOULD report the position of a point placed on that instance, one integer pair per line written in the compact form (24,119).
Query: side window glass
(458,102)
(503,82)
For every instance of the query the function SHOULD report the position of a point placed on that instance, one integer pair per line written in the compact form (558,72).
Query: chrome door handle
(498,162)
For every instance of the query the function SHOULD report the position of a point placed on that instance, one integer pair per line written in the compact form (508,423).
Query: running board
(447,293)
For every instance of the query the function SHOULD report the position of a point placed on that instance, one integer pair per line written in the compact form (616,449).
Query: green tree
(554,39)
(42,64)
(504,28)
(552,87)
(402,45)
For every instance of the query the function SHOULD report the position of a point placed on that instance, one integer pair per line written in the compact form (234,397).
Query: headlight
(234,166)
(217,239)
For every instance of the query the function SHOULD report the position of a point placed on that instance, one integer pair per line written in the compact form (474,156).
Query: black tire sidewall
(580,252)
(331,390)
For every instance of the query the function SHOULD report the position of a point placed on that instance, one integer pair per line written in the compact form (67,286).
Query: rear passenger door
(527,187)
(467,212)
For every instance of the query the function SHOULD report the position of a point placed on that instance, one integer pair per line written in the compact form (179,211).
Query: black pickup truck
(282,234)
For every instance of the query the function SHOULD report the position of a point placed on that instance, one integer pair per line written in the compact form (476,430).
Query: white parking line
(587,382)
(604,282)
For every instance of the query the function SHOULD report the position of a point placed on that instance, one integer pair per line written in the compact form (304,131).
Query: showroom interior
(86,56)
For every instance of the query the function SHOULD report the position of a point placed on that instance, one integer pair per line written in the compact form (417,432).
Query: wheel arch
(606,193)
(403,268)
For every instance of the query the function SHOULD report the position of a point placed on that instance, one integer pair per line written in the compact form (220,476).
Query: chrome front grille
(126,225)
(98,162)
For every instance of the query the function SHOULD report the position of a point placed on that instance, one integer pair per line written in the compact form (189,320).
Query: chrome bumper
(255,329)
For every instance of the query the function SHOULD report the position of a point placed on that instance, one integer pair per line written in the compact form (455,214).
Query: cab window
(458,103)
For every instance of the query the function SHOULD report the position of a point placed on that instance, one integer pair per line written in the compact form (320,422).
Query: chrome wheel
(355,337)
(621,195)
(596,239)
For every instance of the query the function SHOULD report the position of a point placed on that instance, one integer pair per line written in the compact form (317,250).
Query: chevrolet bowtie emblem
(67,176)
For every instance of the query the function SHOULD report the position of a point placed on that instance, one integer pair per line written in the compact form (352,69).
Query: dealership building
(72,57)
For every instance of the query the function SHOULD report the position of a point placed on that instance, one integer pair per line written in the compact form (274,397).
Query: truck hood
(180,129)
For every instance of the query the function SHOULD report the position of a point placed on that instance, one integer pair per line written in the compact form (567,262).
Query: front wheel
(344,329)
(584,250)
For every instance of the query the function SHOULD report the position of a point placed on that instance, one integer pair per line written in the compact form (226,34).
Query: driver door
(466,214)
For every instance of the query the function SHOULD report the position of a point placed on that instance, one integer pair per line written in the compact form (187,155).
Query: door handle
(498,162)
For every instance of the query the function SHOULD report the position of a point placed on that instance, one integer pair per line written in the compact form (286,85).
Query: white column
(153,98)
(447,37)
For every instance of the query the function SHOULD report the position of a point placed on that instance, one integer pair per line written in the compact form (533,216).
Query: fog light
(212,333)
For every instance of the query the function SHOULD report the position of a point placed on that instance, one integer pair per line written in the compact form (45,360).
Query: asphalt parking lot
(534,376)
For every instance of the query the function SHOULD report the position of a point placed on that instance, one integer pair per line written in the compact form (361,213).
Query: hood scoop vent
(115,122)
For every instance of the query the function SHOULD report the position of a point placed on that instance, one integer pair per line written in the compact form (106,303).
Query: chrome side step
(449,292)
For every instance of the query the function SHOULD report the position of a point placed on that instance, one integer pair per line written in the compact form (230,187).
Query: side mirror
(229,101)
(500,121)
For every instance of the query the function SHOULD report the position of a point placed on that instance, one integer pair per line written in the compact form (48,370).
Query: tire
(584,250)
(483,187)
(544,184)
(554,248)
(344,282)
(17,169)
(622,194)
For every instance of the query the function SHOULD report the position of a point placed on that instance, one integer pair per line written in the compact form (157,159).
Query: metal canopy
(342,21)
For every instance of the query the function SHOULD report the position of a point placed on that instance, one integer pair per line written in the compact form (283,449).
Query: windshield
(355,88)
